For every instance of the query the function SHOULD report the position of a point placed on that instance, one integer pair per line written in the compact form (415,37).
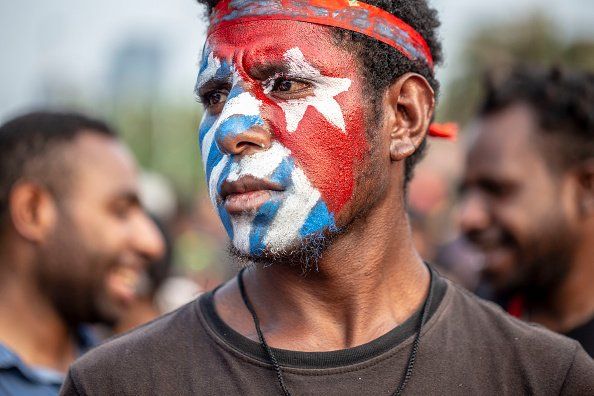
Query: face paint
(317,130)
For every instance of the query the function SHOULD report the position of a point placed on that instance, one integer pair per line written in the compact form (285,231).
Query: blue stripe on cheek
(224,175)
(282,174)
(214,157)
(207,122)
(318,219)
(261,224)
(226,220)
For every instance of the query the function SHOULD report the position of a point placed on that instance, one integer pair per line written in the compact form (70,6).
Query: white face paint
(299,210)
(326,88)
(261,165)
(245,104)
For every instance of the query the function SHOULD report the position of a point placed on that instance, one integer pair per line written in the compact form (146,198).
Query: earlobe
(411,103)
(401,149)
(32,211)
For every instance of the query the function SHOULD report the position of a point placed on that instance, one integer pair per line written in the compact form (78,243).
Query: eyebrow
(266,70)
(125,192)
(202,87)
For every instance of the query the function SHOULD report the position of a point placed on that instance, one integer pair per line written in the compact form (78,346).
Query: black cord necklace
(279,372)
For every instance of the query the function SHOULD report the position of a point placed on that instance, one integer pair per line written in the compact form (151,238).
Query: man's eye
(121,210)
(289,86)
(498,189)
(214,98)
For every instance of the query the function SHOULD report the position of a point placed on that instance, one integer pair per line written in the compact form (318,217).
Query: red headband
(347,14)
(351,15)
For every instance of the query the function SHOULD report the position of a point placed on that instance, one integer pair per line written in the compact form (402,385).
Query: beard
(72,276)
(296,238)
(307,252)
(543,264)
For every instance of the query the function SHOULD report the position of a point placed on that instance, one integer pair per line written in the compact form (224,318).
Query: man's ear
(411,102)
(586,187)
(32,211)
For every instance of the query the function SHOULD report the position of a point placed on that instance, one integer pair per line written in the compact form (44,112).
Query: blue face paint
(288,216)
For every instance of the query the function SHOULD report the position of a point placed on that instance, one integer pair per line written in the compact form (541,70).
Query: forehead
(505,144)
(103,166)
(254,43)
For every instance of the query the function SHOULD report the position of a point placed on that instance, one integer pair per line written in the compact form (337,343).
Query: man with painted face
(73,243)
(529,197)
(315,112)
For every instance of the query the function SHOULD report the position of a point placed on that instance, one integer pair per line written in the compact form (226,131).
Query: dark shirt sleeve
(69,387)
(580,376)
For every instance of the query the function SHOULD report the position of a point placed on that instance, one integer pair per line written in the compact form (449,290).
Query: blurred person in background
(144,307)
(528,197)
(74,241)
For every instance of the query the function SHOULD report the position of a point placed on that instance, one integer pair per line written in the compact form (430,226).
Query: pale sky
(71,42)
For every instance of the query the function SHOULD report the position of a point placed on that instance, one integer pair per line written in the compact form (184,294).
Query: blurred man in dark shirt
(529,197)
(73,243)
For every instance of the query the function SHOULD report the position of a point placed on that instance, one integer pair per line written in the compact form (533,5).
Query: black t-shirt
(468,347)
(584,334)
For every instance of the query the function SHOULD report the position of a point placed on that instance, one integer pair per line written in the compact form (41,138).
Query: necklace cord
(263,342)
(279,374)
(417,341)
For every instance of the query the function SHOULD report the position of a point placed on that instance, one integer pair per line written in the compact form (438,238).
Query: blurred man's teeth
(123,282)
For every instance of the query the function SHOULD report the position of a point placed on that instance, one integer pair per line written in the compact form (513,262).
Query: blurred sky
(72,43)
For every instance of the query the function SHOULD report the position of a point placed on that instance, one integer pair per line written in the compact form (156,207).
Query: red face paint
(328,154)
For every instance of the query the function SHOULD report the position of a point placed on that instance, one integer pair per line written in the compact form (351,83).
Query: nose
(147,239)
(474,214)
(242,130)
(239,140)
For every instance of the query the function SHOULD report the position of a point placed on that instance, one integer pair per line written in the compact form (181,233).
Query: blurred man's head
(300,115)
(69,202)
(529,184)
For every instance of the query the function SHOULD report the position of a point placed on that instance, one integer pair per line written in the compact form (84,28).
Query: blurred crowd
(92,246)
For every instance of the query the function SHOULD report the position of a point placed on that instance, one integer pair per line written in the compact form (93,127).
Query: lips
(489,239)
(247,194)
(123,280)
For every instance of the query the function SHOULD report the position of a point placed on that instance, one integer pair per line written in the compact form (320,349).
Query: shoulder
(496,339)
(153,336)
(155,346)
(489,321)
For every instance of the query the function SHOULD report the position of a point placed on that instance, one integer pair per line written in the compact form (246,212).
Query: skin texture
(75,259)
(530,219)
(372,263)
(302,114)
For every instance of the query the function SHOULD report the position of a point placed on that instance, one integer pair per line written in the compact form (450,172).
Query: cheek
(328,156)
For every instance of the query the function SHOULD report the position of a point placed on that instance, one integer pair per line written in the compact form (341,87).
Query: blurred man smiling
(73,242)
(315,113)
(529,197)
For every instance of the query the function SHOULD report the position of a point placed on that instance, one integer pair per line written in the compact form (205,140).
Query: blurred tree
(164,139)
(161,132)
(494,49)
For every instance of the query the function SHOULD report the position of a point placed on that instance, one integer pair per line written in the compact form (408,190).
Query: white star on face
(326,88)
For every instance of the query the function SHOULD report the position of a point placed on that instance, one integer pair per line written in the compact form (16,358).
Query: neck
(572,303)
(369,281)
(30,326)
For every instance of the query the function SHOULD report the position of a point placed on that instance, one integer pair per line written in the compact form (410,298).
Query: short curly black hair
(382,64)
(27,145)
(563,102)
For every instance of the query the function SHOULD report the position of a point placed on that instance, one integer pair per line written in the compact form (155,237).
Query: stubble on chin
(305,254)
